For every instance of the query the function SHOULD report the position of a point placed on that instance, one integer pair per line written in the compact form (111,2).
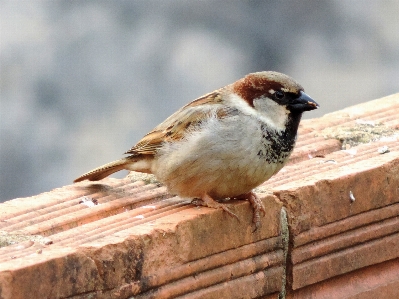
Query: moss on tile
(359,133)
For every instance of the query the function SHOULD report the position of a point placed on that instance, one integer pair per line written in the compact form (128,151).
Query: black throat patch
(277,146)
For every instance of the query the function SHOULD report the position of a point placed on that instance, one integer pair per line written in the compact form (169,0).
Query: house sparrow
(223,144)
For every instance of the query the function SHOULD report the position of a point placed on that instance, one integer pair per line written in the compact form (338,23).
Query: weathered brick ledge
(331,229)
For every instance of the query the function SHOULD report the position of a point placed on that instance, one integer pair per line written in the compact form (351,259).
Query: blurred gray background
(83,81)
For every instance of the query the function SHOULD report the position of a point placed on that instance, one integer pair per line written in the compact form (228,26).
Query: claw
(257,206)
(207,201)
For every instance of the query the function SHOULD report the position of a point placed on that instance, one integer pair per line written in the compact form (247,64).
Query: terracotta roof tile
(331,213)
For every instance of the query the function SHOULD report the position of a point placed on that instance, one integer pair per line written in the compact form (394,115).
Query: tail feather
(103,171)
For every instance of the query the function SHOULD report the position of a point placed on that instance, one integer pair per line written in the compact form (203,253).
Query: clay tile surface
(331,229)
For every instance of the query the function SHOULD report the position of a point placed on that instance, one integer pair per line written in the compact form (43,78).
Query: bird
(224,144)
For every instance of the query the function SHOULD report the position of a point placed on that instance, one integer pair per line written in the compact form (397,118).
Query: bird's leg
(209,202)
(257,206)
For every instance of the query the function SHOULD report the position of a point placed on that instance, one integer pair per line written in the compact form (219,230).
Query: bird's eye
(279,94)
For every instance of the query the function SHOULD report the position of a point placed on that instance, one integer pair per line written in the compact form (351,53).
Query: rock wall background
(83,81)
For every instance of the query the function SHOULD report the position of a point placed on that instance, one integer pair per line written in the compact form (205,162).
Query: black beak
(303,103)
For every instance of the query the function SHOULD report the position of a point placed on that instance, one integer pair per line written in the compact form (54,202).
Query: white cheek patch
(241,104)
(266,110)
(275,113)
(272,91)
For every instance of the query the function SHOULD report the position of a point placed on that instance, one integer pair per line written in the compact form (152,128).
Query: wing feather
(174,128)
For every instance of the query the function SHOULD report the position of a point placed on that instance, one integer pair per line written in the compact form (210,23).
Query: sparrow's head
(276,96)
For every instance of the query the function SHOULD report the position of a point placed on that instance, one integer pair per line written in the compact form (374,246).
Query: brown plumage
(222,144)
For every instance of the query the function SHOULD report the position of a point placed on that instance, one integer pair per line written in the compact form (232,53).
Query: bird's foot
(207,201)
(257,206)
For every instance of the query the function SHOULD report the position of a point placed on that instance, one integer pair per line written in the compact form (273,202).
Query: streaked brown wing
(174,127)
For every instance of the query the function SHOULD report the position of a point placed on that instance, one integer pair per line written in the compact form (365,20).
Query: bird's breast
(224,158)
(275,146)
